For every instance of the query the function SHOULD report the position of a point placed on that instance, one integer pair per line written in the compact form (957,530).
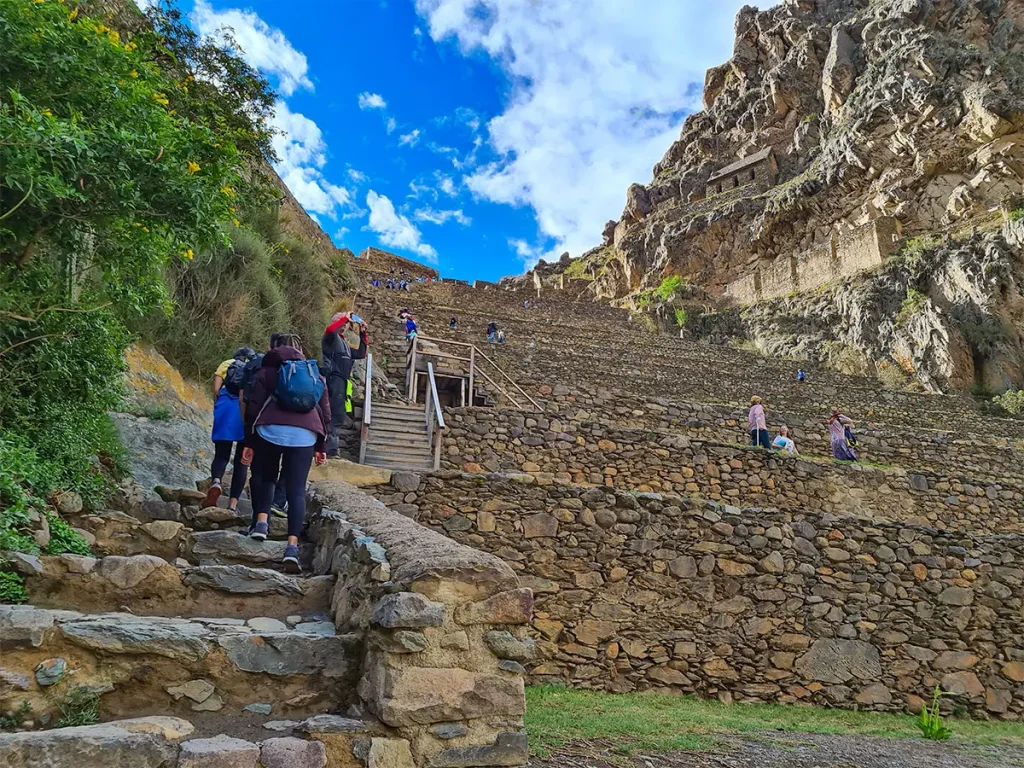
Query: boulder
(405,482)
(839,661)
(218,752)
(145,742)
(23,625)
(289,752)
(359,475)
(407,610)
(289,653)
(242,580)
(123,633)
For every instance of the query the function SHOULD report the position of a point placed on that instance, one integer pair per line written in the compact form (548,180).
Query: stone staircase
(198,651)
(398,438)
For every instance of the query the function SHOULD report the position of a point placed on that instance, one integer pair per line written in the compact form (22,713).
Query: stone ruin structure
(860,249)
(754,173)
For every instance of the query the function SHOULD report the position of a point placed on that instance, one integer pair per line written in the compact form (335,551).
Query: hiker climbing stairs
(398,438)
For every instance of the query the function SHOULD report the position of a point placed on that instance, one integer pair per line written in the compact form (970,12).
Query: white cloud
(263,47)
(528,254)
(369,100)
(339,236)
(597,97)
(446,185)
(409,139)
(392,124)
(357,176)
(394,229)
(440,217)
(302,154)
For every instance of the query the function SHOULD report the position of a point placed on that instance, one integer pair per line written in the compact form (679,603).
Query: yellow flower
(74,14)
(133,73)
(114,36)
(236,222)
(38,2)
(193,167)
(231,208)
(145,229)
(47,113)
(160,98)
(228,191)
(189,254)
(130,46)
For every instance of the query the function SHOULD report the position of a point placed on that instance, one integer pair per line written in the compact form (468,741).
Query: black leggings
(221,455)
(270,461)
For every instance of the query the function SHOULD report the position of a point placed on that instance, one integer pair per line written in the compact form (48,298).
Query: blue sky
(475,135)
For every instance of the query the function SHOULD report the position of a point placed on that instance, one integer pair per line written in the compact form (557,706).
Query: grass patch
(646,721)
(80,707)
(153,412)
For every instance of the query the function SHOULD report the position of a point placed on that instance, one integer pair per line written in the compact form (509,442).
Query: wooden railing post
(472,375)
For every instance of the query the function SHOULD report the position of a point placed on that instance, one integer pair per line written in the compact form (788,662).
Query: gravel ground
(796,751)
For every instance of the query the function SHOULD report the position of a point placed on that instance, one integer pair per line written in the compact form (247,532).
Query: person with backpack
(492,330)
(252,369)
(411,329)
(286,424)
(228,430)
(338,358)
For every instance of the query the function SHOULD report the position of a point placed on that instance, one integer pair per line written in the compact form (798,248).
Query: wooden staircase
(397,438)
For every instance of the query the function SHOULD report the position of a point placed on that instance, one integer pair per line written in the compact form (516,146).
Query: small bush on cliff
(681,317)
(12,589)
(669,287)
(1011,401)
(64,539)
(915,248)
(912,306)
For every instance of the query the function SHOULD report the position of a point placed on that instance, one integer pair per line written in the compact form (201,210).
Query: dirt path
(795,751)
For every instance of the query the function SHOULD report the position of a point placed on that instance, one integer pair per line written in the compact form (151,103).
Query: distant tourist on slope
(338,358)
(801,376)
(411,330)
(228,429)
(286,424)
(757,424)
(492,330)
(784,442)
(841,436)
(452,323)
(501,336)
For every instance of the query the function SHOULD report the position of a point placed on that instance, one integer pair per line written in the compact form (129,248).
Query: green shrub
(12,720)
(12,588)
(915,248)
(80,707)
(912,306)
(579,269)
(64,538)
(930,721)
(891,375)
(1011,401)
(669,287)
(153,412)
(681,317)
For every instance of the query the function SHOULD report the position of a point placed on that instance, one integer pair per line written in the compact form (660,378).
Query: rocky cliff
(832,114)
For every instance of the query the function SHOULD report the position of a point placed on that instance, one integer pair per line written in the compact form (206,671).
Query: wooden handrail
(510,380)
(498,386)
(364,432)
(436,400)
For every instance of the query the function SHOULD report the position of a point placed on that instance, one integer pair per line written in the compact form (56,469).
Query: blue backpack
(299,386)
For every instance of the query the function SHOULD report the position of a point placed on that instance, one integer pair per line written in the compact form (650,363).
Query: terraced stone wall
(444,629)
(651,591)
(628,459)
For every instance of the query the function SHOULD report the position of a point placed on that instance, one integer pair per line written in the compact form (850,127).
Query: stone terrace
(222,660)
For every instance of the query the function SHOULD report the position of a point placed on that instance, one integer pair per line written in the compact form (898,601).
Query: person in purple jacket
(277,439)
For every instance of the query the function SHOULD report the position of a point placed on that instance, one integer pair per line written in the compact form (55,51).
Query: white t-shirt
(785,444)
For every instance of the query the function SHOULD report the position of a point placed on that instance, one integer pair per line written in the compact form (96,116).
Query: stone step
(150,586)
(169,666)
(232,548)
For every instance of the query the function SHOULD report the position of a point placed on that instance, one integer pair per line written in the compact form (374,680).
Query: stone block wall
(444,631)
(629,459)
(660,592)
(862,248)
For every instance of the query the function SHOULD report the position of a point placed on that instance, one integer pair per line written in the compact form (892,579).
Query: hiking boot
(277,511)
(212,495)
(260,531)
(247,531)
(291,559)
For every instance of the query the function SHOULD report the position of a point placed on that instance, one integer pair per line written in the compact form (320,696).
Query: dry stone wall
(627,459)
(660,592)
(443,626)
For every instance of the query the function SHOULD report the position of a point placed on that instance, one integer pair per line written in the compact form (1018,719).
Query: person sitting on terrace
(492,330)
(784,442)
(801,376)
(841,436)
(757,424)
(452,323)
(501,336)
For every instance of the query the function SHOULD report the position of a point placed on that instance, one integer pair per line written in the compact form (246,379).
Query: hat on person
(755,400)
(245,353)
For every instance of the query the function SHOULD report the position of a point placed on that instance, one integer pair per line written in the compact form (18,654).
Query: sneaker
(291,559)
(276,511)
(212,496)
(247,531)
(260,531)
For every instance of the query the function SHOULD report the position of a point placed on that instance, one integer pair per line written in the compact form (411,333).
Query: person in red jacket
(277,439)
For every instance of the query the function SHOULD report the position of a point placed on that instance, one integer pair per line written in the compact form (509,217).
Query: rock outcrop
(907,110)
